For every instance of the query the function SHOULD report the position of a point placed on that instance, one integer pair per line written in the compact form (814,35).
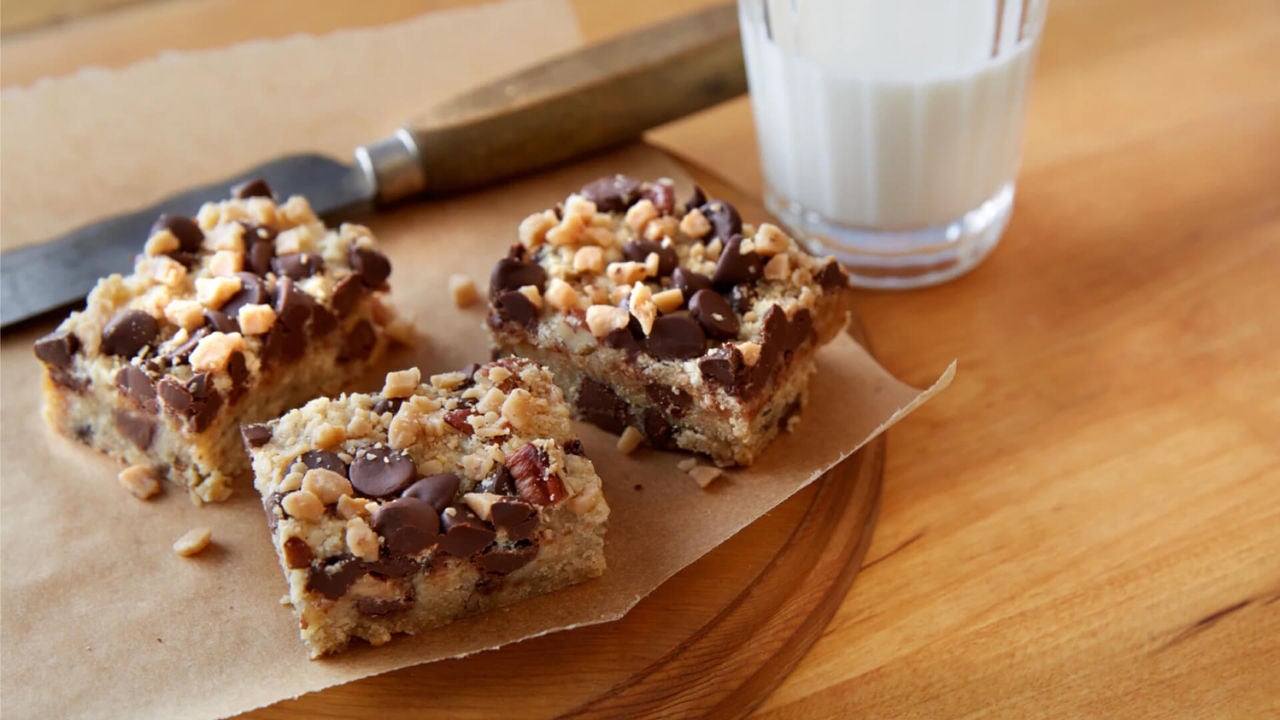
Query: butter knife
(595,98)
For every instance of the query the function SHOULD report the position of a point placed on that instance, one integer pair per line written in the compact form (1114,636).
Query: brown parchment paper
(98,617)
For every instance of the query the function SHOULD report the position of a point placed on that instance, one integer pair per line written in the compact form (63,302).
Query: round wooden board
(712,641)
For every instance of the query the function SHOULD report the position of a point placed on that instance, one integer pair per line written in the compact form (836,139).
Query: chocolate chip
(662,195)
(177,398)
(464,533)
(333,579)
(183,228)
(574,447)
(614,193)
(715,316)
(506,561)
(380,472)
(297,553)
(511,274)
(638,250)
(252,292)
(534,484)
(408,525)
(676,337)
(623,339)
(323,459)
(458,420)
(832,276)
(725,221)
(393,566)
(657,431)
(773,344)
(179,354)
(372,266)
(674,401)
(323,322)
(800,329)
(346,293)
(285,343)
(135,428)
(255,436)
(438,491)
(510,512)
(690,282)
(128,332)
(219,321)
(600,405)
(58,348)
(238,371)
(513,306)
(359,342)
(297,265)
(293,306)
(206,408)
(497,482)
(696,200)
(257,187)
(137,386)
(387,405)
(724,366)
(377,607)
(734,268)
(259,254)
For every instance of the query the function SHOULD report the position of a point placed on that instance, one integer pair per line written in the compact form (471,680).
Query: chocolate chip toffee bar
(687,325)
(233,316)
(402,511)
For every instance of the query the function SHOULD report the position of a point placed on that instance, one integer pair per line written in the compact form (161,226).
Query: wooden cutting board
(714,640)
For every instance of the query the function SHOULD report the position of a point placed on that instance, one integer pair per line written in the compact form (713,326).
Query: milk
(888,114)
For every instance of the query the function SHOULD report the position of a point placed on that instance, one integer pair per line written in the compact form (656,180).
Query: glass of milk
(890,130)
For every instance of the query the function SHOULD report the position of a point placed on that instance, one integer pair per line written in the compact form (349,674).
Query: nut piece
(327,485)
(349,507)
(704,475)
(362,540)
(695,224)
(518,409)
(770,240)
(463,290)
(226,262)
(561,295)
(214,292)
(568,231)
(750,353)
(162,243)
(630,439)
(589,258)
(140,480)
(687,464)
(482,504)
(401,384)
(191,543)
(659,228)
(186,314)
(604,319)
(531,292)
(640,214)
(213,352)
(669,300)
(533,229)
(256,319)
(778,267)
(403,432)
(642,307)
(303,505)
(578,206)
(628,272)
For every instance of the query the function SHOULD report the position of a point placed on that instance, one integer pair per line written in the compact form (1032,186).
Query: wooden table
(1088,521)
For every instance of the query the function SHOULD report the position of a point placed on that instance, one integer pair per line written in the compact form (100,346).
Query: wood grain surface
(1088,522)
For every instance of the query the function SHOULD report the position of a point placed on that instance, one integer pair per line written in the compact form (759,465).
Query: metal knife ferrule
(393,166)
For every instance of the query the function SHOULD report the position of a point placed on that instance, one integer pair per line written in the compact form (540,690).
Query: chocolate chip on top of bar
(620,289)
(401,511)
(227,317)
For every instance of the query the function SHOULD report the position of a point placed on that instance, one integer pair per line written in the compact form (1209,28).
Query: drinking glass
(890,130)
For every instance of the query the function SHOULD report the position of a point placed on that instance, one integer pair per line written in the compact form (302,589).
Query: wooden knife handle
(595,98)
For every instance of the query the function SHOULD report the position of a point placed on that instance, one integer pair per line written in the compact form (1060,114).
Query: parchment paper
(99,617)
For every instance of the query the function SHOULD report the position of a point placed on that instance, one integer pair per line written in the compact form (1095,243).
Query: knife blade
(589,100)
